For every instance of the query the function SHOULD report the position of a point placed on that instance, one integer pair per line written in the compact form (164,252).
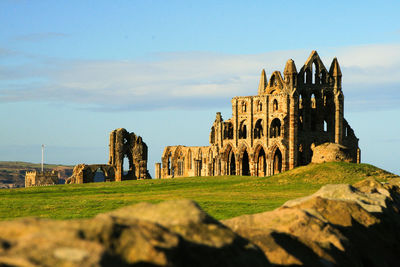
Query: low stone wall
(340,225)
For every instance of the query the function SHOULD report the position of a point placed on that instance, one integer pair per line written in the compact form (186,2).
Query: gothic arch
(230,159)
(260,158)
(277,162)
(244,159)
(243,129)
(275,129)
(258,129)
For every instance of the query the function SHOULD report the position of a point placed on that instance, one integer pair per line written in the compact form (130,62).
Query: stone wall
(36,178)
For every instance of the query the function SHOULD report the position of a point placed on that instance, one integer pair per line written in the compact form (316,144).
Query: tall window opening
(314,72)
(232,163)
(258,130)
(277,163)
(243,106)
(245,164)
(228,130)
(275,105)
(275,128)
(243,130)
(261,163)
(169,163)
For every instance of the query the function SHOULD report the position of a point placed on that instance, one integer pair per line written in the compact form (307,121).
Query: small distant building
(37,178)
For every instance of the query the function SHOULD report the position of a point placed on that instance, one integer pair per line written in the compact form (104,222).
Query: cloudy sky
(72,71)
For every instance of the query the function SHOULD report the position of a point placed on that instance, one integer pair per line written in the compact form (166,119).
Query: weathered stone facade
(122,144)
(36,178)
(273,131)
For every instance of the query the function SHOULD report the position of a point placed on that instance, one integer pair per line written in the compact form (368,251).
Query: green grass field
(222,197)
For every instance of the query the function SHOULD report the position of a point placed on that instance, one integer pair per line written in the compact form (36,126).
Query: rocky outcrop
(173,233)
(339,225)
(330,152)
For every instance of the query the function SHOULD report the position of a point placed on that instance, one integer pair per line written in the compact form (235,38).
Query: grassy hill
(12,173)
(222,197)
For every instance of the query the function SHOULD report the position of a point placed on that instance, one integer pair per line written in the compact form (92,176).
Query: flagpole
(42,156)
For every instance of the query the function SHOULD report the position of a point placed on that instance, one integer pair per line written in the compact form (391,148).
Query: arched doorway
(261,163)
(277,165)
(99,176)
(245,164)
(231,163)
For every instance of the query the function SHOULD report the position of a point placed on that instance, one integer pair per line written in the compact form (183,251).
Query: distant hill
(12,173)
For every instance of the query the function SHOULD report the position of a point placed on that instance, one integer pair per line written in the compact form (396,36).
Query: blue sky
(72,71)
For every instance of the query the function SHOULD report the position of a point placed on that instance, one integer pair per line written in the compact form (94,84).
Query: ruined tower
(124,144)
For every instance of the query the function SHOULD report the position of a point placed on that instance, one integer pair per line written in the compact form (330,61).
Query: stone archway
(245,164)
(277,162)
(231,163)
(261,162)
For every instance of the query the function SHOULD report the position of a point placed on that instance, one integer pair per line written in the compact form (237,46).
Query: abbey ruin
(122,145)
(273,131)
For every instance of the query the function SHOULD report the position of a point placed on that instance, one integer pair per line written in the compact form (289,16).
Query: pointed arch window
(275,130)
(275,105)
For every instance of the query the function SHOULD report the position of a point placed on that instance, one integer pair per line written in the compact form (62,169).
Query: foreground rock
(340,225)
(174,233)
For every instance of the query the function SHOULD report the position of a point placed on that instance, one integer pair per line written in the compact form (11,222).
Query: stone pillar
(339,118)
(158,170)
(293,110)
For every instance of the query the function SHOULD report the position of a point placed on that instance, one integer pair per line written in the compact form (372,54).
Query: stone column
(339,118)
(293,110)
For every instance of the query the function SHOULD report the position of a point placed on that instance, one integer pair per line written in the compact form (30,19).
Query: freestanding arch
(277,162)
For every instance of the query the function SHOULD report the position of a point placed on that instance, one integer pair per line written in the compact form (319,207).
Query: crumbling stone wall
(84,173)
(275,130)
(122,144)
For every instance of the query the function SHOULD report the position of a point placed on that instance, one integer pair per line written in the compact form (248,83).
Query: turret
(290,74)
(263,83)
(336,73)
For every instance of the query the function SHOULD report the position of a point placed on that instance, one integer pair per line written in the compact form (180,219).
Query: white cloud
(180,80)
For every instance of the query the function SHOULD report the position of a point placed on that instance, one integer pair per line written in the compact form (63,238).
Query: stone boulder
(340,225)
(173,233)
(329,152)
